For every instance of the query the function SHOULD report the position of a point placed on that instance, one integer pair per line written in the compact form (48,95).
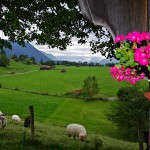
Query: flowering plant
(134,54)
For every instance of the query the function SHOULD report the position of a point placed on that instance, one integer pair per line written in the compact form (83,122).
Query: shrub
(125,92)
(63,70)
(90,86)
(130,113)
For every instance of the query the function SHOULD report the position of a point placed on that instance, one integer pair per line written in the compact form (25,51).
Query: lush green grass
(55,82)
(58,110)
(17,67)
(48,137)
(52,114)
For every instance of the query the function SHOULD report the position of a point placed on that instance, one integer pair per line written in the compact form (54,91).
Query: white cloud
(74,50)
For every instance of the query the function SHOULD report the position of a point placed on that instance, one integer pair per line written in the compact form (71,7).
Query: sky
(77,51)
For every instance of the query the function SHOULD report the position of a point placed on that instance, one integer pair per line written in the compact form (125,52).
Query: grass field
(53,113)
(17,67)
(55,82)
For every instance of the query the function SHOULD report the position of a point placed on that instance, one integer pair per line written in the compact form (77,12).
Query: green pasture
(59,110)
(57,83)
(53,113)
(17,67)
(52,137)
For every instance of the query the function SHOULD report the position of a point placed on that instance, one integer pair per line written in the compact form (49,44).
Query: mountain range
(108,60)
(30,51)
(95,59)
(72,58)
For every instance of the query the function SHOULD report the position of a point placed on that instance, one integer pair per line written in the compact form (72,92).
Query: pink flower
(137,79)
(141,56)
(120,78)
(119,38)
(128,74)
(143,62)
(145,36)
(147,49)
(142,76)
(134,37)
(127,71)
(137,56)
(122,68)
(148,56)
(127,51)
(132,81)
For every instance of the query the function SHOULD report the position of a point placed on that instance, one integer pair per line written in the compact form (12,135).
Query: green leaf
(118,55)
(123,59)
(118,65)
(127,45)
(123,52)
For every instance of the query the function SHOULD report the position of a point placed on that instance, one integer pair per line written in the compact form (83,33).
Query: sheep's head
(82,136)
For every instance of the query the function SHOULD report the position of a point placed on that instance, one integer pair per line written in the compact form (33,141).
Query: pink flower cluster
(128,74)
(140,46)
(142,55)
(136,37)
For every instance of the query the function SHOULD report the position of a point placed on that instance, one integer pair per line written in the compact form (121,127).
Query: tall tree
(52,22)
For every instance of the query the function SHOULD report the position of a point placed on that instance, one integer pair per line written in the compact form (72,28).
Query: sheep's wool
(76,130)
(16,118)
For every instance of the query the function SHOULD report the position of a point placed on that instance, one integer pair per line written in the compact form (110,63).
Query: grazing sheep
(16,118)
(27,121)
(3,121)
(76,130)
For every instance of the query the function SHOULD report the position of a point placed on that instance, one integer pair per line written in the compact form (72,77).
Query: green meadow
(53,113)
(55,82)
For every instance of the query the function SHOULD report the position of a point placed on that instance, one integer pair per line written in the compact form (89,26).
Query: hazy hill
(95,59)
(109,60)
(28,50)
(72,58)
(50,56)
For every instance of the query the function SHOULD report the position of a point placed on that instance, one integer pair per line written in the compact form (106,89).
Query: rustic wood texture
(118,16)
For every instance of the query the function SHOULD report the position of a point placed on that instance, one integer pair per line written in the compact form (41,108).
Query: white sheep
(16,118)
(3,121)
(76,130)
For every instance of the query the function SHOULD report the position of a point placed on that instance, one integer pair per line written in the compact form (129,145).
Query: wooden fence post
(32,122)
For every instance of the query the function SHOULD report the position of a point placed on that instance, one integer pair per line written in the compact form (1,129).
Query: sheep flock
(15,118)
(75,130)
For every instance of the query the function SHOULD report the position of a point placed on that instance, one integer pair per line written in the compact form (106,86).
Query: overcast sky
(75,50)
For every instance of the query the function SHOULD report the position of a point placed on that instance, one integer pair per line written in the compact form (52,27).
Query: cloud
(74,50)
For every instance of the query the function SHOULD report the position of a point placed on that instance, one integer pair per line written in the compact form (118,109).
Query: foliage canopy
(50,22)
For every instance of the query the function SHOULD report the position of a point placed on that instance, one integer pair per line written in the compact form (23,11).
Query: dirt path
(18,73)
